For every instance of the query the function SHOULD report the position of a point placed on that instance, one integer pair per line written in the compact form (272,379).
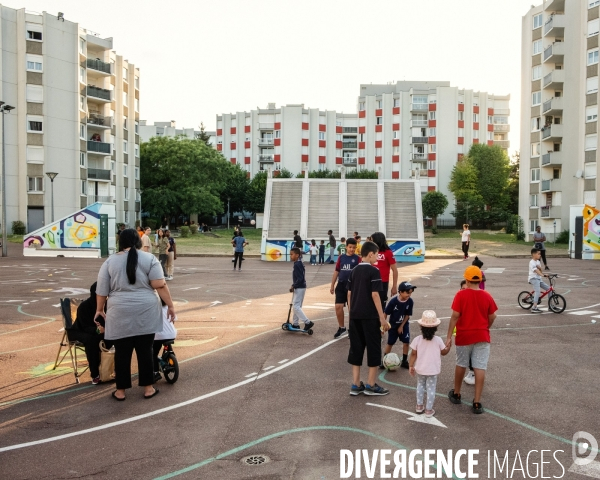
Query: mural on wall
(591,229)
(80,230)
(404,251)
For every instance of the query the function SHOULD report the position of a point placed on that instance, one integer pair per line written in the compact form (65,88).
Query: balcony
(98,66)
(418,157)
(99,147)
(550,211)
(501,111)
(502,143)
(265,141)
(419,140)
(99,174)
(419,107)
(350,130)
(266,126)
(555,26)
(91,199)
(350,160)
(552,159)
(266,158)
(501,127)
(555,6)
(350,145)
(554,80)
(100,94)
(416,174)
(418,123)
(551,185)
(554,106)
(96,120)
(555,52)
(552,132)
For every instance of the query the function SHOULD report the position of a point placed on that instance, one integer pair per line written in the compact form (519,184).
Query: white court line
(253,374)
(284,360)
(166,409)
(582,312)
(269,368)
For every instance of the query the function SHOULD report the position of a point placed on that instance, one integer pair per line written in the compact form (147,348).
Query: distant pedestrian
(171,255)
(299,289)
(538,242)
(358,245)
(466,240)
(385,262)
(341,248)
(478,263)
(163,245)
(298,243)
(146,244)
(238,242)
(332,245)
(322,253)
(314,251)
(355,235)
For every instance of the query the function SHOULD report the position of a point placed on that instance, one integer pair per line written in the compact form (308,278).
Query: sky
(200,58)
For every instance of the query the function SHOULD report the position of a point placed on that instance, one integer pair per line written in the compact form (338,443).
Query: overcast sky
(201,58)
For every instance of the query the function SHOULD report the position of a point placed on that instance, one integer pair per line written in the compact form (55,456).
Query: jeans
(162,258)
(537,283)
(465,248)
(321,257)
(237,257)
(297,302)
(331,253)
(313,259)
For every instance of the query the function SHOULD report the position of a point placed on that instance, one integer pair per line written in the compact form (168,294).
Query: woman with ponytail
(131,280)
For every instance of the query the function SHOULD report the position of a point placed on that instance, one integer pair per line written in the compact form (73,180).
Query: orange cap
(473,273)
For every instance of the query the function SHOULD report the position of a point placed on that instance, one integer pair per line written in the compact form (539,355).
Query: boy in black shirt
(366,321)
(299,289)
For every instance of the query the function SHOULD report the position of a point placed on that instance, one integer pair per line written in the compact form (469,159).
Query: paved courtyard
(248,388)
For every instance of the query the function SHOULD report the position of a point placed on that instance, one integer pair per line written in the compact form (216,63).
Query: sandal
(117,398)
(429,413)
(420,409)
(150,396)
(454,397)
(477,407)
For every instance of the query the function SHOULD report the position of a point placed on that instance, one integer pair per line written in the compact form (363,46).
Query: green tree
(236,187)
(513,183)
(202,135)
(463,185)
(257,190)
(434,203)
(181,176)
(365,174)
(285,173)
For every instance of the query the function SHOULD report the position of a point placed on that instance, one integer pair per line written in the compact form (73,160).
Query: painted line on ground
(20,310)
(30,348)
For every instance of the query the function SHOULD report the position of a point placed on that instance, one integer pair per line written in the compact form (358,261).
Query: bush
(138,223)
(434,231)
(563,237)
(151,222)
(184,231)
(194,229)
(18,227)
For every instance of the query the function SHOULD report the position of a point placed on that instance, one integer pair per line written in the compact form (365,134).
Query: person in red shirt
(473,313)
(385,263)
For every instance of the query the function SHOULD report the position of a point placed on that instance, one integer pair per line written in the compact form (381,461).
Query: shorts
(365,333)
(393,334)
(477,353)
(341,293)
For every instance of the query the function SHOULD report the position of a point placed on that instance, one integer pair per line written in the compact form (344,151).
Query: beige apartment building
(76,114)
(559,112)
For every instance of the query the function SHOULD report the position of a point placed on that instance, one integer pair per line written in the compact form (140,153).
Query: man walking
(538,242)
(298,243)
(332,245)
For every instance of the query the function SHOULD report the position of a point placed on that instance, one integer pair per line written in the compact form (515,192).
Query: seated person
(96,137)
(167,334)
(87,332)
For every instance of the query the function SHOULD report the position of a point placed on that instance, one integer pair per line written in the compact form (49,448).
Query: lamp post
(228,213)
(4,108)
(52,176)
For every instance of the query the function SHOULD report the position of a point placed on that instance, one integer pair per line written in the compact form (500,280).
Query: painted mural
(591,232)
(404,251)
(80,230)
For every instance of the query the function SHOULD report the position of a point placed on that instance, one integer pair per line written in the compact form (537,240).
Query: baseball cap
(406,286)
(473,273)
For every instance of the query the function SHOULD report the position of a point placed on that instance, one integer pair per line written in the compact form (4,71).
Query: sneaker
(470,378)
(375,390)
(295,326)
(429,413)
(308,325)
(536,310)
(454,397)
(547,268)
(420,409)
(340,331)
(96,380)
(354,390)
(404,364)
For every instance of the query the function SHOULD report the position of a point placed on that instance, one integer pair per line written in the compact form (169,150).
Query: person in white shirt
(466,240)
(535,278)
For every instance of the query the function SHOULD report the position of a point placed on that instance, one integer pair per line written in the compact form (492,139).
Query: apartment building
(402,130)
(559,112)
(169,129)
(76,114)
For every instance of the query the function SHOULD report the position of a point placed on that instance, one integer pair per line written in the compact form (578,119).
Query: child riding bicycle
(535,278)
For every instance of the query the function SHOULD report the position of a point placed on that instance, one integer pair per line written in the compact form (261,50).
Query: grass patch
(220,243)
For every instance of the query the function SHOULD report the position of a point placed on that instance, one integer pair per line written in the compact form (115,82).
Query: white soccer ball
(252,222)
(391,361)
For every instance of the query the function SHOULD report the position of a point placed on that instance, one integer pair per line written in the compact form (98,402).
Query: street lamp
(228,213)
(52,176)
(4,108)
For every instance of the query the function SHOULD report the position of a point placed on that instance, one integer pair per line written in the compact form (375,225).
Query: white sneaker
(470,378)
(169,278)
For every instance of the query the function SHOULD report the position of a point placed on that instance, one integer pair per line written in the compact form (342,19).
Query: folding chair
(68,308)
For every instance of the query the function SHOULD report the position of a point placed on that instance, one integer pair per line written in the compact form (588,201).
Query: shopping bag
(107,363)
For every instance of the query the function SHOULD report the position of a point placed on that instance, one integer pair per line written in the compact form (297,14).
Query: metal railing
(545,159)
(547,105)
(349,145)
(266,158)
(99,120)
(502,143)
(98,147)
(418,123)
(501,127)
(349,130)
(548,25)
(99,65)
(350,160)
(418,156)
(266,126)
(99,174)
(420,140)
(419,106)
(97,92)
(265,141)
(102,199)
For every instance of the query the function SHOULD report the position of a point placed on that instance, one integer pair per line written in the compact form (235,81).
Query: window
(126,194)
(34,93)
(537,21)
(83,187)
(136,126)
(592,57)
(125,170)
(533,200)
(82,103)
(461,115)
(137,173)
(125,99)
(82,159)
(126,217)
(461,149)
(537,47)
(379,120)
(490,119)
(396,102)
(591,84)
(500,120)
(124,146)
(432,148)
(591,142)
(475,133)
(593,3)
(112,166)
(82,46)
(34,35)
(35,154)
(378,152)
(125,123)
(321,135)
(125,73)
(461,132)
(475,118)
(593,27)
(379,102)
(35,184)
(137,105)
(490,135)
(532,225)
(82,131)
(136,82)
(535,149)
(419,99)
(536,98)
(536,123)
(136,150)
(536,72)
(278,134)
(82,74)
(590,170)
(556,173)
(361,106)
(430,165)
(432,115)
(432,132)
(591,114)
(34,63)
(34,124)
(396,134)
(535,175)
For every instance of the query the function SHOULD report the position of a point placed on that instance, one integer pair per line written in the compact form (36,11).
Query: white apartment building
(559,112)
(169,129)
(76,114)
(403,130)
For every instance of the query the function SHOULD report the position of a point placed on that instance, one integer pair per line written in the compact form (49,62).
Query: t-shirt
(364,280)
(533,265)
(163,244)
(358,247)
(341,249)
(298,242)
(429,358)
(465,235)
(537,238)
(168,332)
(146,242)
(238,244)
(384,262)
(396,309)
(171,245)
(314,250)
(332,241)
(344,266)
(322,248)
(474,307)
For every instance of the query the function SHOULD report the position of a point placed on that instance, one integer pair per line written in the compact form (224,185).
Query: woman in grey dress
(131,280)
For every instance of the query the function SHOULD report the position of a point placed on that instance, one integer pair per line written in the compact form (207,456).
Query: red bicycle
(556,302)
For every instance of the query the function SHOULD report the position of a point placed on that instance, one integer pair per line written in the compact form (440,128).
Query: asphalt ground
(248,388)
